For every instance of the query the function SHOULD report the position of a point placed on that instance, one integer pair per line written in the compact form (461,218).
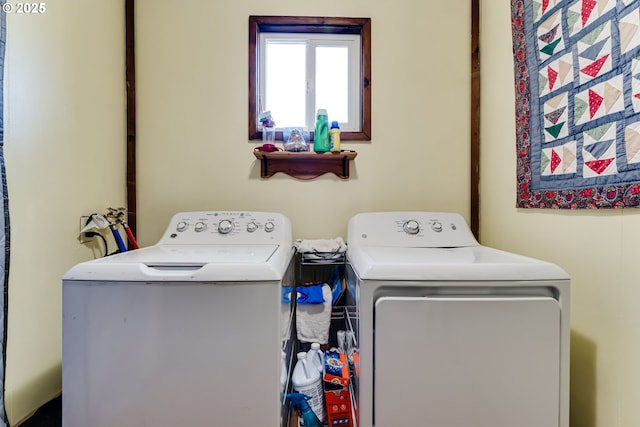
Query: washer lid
(478,263)
(194,263)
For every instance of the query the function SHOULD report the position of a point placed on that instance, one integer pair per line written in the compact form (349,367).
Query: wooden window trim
(306,24)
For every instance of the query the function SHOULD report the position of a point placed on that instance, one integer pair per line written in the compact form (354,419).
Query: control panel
(410,229)
(193,228)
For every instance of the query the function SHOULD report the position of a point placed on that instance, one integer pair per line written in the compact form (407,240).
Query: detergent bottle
(316,357)
(299,402)
(321,132)
(308,381)
(334,134)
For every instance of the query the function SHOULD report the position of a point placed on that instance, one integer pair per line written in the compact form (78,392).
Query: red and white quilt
(577,80)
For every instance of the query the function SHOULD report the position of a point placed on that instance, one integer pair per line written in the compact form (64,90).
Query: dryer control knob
(251,227)
(436,226)
(200,226)
(411,227)
(182,225)
(269,226)
(225,226)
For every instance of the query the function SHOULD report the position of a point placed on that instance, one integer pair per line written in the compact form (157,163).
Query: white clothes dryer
(189,331)
(452,333)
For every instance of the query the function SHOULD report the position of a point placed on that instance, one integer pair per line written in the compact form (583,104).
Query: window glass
(332,82)
(285,82)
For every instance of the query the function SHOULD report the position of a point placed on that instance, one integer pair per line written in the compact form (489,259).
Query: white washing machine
(188,332)
(452,333)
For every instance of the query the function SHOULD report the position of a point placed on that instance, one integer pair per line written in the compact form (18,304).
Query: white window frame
(351,42)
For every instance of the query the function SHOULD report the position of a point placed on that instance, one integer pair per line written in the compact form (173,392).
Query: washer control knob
(225,226)
(269,226)
(411,227)
(182,226)
(200,226)
(252,226)
(436,226)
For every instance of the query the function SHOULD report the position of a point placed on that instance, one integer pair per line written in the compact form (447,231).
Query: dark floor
(49,415)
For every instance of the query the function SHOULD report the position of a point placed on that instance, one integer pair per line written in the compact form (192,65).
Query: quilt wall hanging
(577,81)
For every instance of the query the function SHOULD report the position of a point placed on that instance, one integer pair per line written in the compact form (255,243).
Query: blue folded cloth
(311,294)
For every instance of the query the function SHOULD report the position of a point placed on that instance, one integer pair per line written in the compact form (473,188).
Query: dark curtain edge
(5,198)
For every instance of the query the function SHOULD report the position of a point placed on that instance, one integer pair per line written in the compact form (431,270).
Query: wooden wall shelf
(305,165)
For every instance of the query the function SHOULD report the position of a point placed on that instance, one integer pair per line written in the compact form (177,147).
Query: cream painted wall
(193,152)
(597,248)
(65,157)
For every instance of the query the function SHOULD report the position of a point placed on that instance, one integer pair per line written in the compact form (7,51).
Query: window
(300,64)
(300,73)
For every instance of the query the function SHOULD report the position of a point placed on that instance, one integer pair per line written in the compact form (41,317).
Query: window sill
(304,165)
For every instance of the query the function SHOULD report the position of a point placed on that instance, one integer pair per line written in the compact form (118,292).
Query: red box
(336,368)
(338,407)
(336,389)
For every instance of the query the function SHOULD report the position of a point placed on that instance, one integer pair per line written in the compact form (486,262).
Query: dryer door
(467,361)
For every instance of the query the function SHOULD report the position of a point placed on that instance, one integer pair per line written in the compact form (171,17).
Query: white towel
(313,320)
(320,245)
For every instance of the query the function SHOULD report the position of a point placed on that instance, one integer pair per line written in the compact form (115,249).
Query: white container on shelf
(316,357)
(283,372)
(307,380)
